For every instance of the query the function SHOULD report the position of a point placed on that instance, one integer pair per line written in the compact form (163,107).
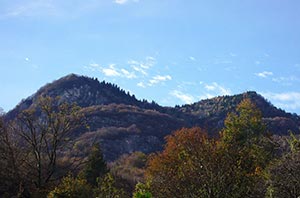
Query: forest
(38,158)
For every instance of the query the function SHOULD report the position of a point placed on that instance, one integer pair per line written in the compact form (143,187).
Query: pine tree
(96,166)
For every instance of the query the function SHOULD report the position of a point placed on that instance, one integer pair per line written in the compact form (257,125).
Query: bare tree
(45,132)
(11,161)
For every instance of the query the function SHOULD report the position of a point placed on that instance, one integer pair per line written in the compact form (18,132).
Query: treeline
(39,159)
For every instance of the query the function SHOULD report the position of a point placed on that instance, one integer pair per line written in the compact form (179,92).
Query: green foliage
(193,165)
(244,142)
(72,188)
(294,143)
(142,191)
(107,188)
(96,166)
(243,127)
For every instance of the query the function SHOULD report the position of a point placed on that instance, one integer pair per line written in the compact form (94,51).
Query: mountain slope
(123,124)
(84,91)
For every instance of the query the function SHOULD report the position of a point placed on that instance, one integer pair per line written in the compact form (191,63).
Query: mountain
(124,124)
(84,91)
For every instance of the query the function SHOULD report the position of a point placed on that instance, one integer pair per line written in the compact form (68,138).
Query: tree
(45,130)
(244,126)
(142,191)
(245,143)
(71,187)
(11,162)
(189,166)
(96,166)
(194,165)
(284,173)
(284,177)
(107,188)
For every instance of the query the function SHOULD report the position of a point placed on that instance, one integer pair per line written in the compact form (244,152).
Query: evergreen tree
(96,166)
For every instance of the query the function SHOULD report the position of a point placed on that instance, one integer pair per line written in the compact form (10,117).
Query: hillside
(124,124)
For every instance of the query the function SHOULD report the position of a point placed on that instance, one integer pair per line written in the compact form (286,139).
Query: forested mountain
(124,124)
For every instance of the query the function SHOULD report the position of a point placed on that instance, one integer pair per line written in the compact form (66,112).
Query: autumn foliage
(194,165)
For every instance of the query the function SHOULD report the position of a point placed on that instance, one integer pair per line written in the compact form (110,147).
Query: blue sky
(169,51)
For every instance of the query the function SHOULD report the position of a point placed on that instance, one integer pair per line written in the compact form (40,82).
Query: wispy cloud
(158,79)
(288,100)
(142,66)
(141,84)
(212,90)
(210,87)
(50,8)
(217,89)
(111,71)
(186,98)
(192,58)
(125,1)
(32,8)
(264,74)
(286,80)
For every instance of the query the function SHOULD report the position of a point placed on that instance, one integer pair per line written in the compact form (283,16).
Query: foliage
(284,173)
(130,167)
(243,127)
(71,187)
(294,143)
(142,191)
(186,167)
(193,165)
(96,166)
(247,147)
(107,188)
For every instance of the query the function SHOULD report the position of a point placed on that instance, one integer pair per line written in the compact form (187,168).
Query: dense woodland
(78,137)
(39,159)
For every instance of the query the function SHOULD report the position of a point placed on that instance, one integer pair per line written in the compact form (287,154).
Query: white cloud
(217,89)
(287,100)
(141,84)
(125,1)
(192,58)
(142,66)
(32,8)
(186,98)
(120,1)
(257,62)
(110,71)
(210,87)
(286,80)
(157,79)
(264,74)
(27,59)
(128,74)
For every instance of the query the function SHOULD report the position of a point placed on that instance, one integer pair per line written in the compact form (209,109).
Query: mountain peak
(82,90)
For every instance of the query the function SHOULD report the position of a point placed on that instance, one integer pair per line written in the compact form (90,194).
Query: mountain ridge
(124,124)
